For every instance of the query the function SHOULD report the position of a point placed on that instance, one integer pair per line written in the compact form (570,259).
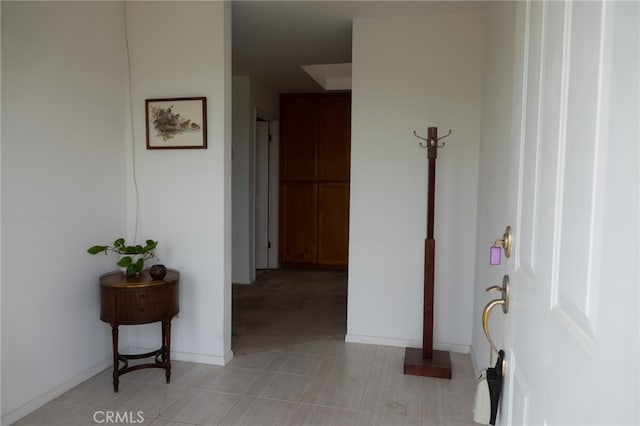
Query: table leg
(116,361)
(163,344)
(166,343)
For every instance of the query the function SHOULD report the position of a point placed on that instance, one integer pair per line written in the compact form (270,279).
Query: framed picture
(176,123)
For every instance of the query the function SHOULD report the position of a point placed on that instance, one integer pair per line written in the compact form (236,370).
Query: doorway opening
(264,193)
(300,302)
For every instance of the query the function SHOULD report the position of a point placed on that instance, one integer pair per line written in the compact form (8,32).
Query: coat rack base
(438,366)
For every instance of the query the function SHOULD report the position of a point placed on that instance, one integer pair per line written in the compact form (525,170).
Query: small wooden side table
(139,300)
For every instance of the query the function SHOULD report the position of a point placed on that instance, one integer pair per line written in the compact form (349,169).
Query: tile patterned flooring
(321,382)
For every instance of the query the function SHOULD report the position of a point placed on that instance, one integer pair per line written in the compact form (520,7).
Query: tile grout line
(241,397)
(366,384)
(422,398)
(347,368)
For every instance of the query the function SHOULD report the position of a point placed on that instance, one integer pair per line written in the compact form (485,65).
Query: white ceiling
(272,39)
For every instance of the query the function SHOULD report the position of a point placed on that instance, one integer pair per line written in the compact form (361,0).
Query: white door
(572,330)
(262,195)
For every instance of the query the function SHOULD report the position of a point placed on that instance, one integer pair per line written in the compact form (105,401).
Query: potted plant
(132,258)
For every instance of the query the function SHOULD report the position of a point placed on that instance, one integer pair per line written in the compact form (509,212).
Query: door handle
(495,374)
(504,291)
(504,301)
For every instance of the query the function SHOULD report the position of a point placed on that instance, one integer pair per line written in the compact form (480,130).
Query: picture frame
(176,123)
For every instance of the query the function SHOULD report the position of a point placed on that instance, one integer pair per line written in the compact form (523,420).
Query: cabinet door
(334,138)
(299,139)
(333,224)
(299,222)
(315,156)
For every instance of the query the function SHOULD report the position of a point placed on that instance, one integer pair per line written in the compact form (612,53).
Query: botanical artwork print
(169,124)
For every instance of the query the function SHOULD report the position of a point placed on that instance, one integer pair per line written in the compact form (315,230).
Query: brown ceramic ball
(157,272)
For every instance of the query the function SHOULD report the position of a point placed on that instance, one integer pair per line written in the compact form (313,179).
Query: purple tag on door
(494,255)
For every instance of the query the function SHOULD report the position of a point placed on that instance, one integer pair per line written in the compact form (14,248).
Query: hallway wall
(249,96)
(185,195)
(67,183)
(495,155)
(410,73)
(63,181)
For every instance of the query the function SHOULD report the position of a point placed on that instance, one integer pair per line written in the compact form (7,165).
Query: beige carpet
(286,307)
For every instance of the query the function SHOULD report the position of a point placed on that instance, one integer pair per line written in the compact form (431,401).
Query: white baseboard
(384,341)
(50,395)
(452,347)
(405,343)
(191,357)
(474,362)
(202,359)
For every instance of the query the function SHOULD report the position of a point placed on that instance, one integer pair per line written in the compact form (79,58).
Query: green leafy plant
(128,253)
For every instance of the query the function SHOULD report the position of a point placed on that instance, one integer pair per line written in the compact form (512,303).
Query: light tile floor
(326,382)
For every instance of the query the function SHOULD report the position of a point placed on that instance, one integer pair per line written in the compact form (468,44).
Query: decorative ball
(157,272)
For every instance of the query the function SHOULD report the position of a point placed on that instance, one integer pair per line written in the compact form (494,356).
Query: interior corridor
(288,306)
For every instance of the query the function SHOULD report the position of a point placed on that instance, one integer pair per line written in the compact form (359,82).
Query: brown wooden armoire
(315,150)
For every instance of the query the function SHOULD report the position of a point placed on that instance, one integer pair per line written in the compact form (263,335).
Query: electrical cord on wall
(133,145)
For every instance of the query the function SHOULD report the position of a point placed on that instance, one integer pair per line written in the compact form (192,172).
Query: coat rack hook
(422,144)
(425,142)
(442,137)
(445,136)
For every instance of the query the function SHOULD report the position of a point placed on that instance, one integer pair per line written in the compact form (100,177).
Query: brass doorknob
(504,301)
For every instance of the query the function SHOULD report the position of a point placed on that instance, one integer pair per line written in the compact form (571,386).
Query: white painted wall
(250,99)
(63,169)
(264,98)
(67,183)
(0,225)
(242,260)
(410,73)
(183,193)
(495,155)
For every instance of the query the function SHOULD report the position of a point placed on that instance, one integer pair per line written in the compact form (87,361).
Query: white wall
(183,193)
(242,269)
(67,183)
(0,226)
(495,154)
(250,99)
(410,73)
(63,186)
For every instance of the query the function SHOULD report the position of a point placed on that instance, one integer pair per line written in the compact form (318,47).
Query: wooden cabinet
(315,157)
(333,224)
(299,216)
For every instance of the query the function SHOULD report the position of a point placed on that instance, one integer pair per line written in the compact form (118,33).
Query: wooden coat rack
(426,361)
